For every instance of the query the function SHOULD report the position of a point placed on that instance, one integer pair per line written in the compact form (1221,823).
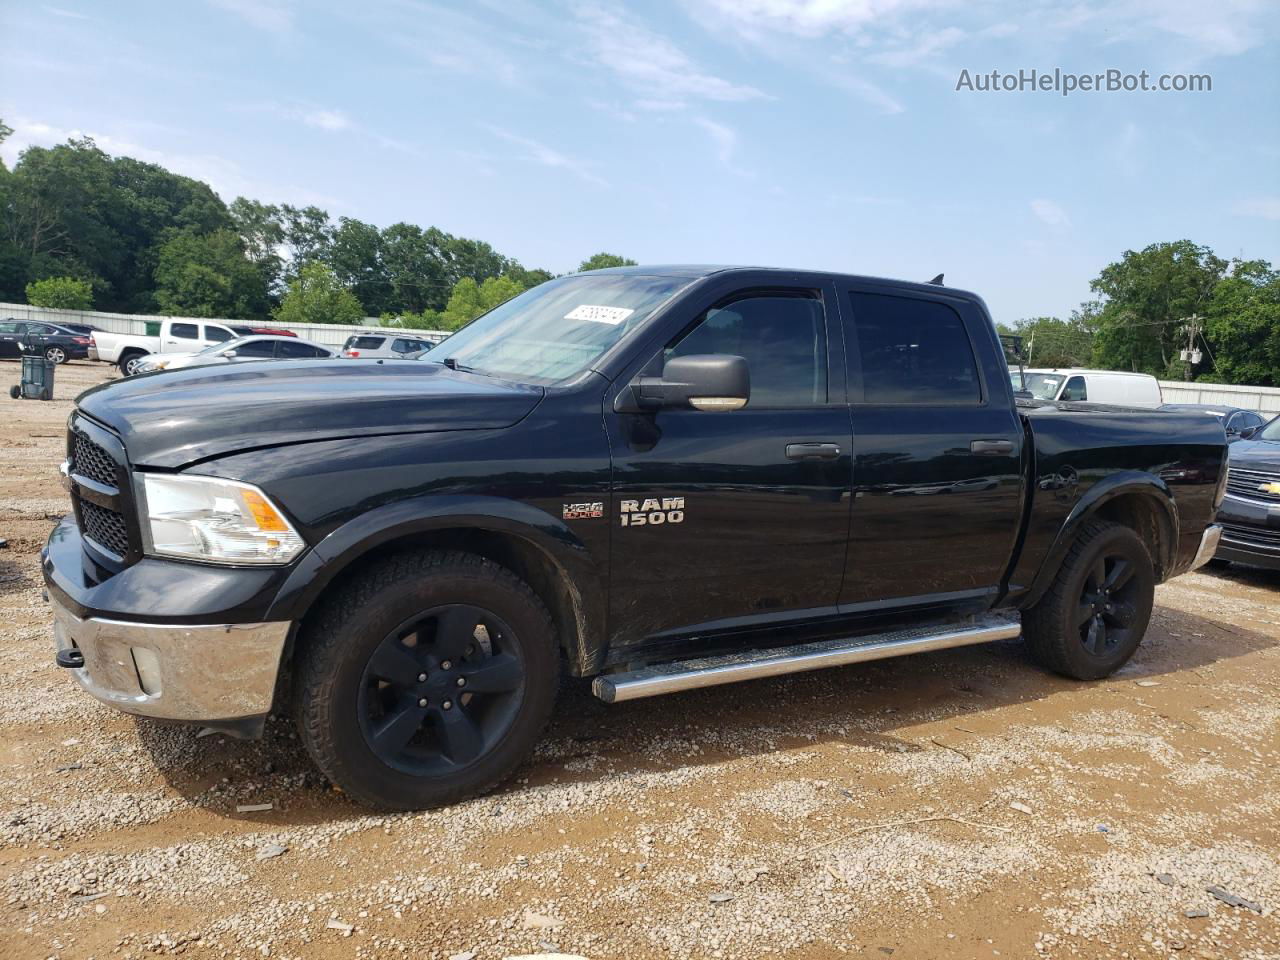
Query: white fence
(1265,400)
(330,334)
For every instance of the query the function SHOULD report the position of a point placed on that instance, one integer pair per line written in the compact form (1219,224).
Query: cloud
(1268,208)
(273,16)
(726,144)
(326,119)
(920,49)
(66,14)
(1050,213)
(545,155)
(650,63)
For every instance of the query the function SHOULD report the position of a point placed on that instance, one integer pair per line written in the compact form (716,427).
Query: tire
(358,695)
(127,364)
(1080,631)
(56,354)
(15,392)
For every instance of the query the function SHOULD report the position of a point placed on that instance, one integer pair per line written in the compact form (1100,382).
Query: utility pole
(1191,354)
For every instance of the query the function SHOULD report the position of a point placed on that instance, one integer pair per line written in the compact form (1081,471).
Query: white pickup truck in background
(126,350)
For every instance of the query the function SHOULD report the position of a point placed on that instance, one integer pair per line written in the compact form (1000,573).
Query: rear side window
(782,338)
(218,334)
(185,331)
(364,343)
(913,351)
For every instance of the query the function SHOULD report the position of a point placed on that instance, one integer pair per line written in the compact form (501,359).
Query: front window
(1075,390)
(559,328)
(1270,432)
(220,347)
(1042,386)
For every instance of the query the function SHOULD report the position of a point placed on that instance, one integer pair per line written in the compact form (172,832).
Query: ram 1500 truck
(661,478)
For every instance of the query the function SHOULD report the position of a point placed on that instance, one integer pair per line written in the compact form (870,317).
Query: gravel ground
(961,804)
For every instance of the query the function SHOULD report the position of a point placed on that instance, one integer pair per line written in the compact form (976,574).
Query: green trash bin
(37,379)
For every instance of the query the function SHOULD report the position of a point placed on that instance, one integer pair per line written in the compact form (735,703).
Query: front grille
(1249,484)
(1263,537)
(105,527)
(92,462)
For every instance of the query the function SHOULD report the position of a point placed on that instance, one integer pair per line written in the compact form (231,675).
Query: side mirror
(231,354)
(708,381)
(1247,432)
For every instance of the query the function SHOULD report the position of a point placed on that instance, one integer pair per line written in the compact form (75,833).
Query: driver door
(729,521)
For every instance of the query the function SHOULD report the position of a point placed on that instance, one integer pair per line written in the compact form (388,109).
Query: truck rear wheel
(1094,616)
(427,680)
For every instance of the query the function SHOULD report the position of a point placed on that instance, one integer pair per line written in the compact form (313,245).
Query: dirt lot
(962,804)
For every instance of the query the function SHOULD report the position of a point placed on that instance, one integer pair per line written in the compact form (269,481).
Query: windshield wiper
(453,364)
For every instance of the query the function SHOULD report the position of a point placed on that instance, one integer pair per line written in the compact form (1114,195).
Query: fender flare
(576,566)
(1122,483)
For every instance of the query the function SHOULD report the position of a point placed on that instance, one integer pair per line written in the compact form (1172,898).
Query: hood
(1263,455)
(173,417)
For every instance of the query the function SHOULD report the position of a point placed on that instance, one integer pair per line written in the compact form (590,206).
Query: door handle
(812,451)
(991,448)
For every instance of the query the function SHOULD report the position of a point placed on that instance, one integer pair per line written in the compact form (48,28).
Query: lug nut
(446,665)
(447,704)
(422,678)
(422,702)
(462,681)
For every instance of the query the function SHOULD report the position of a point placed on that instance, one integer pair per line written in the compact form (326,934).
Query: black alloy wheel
(441,690)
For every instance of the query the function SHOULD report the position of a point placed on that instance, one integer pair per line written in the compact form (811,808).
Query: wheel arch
(1140,501)
(534,545)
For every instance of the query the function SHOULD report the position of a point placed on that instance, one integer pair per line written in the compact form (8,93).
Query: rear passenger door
(937,452)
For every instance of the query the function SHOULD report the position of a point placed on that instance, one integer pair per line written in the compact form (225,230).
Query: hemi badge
(582,511)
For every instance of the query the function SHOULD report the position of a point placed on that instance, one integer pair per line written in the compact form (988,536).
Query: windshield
(1043,386)
(558,329)
(219,347)
(1270,432)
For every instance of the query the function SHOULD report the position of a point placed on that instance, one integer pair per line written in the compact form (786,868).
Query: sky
(823,134)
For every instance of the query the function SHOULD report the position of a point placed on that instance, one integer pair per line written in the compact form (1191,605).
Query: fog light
(148,665)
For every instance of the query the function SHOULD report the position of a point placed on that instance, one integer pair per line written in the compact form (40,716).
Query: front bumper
(1208,545)
(1250,532)
(212,674)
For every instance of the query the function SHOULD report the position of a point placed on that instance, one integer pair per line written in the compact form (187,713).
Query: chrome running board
(753,664)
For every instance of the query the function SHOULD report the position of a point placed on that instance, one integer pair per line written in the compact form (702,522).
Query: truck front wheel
(427,680)
(1095,614)
(128,363)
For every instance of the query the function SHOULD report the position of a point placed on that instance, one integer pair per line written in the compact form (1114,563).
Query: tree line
(80,228)
(1153,304)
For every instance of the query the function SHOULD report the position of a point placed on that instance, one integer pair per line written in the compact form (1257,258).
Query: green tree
(62,293)
(470,299)
(316,296)
(261,233)
(208,275)
(1050,342)
(1242,327)
(601,261)
(355,256)
(307,235)
(1147,296)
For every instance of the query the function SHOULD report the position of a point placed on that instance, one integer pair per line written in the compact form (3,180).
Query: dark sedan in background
(1250,513)
(1236,421)
(18,337)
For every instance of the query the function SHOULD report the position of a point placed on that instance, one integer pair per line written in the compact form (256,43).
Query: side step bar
(753,664)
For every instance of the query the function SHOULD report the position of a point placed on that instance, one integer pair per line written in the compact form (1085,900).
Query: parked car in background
(386,345)
(1250,512)
(127,350)
(249,331)
(1093,386)
(54,342)
(242,348)
(1236,421)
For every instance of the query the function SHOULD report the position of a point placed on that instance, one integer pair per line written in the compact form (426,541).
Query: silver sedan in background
(259,347)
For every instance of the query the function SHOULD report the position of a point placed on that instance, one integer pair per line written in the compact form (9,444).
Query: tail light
(81,339)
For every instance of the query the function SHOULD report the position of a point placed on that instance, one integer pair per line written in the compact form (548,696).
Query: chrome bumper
(193,673)
(1208,545)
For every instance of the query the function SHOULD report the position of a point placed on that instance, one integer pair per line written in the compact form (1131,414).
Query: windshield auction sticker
(610,315)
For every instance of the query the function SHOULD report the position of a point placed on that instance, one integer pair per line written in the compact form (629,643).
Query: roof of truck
(1072,370)
(699,270)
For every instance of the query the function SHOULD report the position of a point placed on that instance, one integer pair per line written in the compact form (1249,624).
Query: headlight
(218,521)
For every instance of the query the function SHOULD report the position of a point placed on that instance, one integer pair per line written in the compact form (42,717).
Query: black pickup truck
(662,478)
